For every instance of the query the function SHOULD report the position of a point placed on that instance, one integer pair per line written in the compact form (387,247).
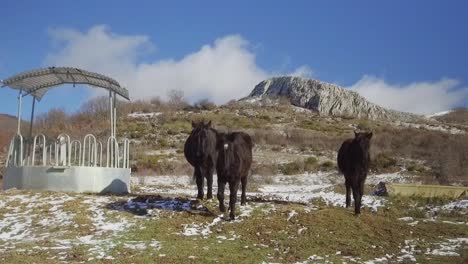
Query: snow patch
(440,113)
(144,115)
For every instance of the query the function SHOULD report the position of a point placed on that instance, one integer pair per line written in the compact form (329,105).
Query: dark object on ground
(234,161)
(353,162)
(200,152)
(380,189)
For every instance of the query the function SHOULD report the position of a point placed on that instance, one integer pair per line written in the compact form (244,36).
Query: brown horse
(353,162)
(234,161)
(200,151)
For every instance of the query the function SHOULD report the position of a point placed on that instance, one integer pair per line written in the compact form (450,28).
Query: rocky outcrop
(325,98)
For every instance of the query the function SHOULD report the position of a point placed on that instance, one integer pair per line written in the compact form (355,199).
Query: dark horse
(200,152)
(353,162)
(234,161)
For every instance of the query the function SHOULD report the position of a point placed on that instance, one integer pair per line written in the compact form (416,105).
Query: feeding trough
(38,162)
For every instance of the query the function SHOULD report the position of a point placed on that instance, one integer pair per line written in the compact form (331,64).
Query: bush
(177,127)
(310,164)
(328,166)
(417,168)
(364,125)
(176,100)
(292,168)
(205,104)
(383,162)
(264,169)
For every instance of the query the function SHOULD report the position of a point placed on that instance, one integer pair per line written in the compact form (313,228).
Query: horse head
(200,132)
(363,139)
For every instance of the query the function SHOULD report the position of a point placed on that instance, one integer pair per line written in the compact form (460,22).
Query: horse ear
(208,124)
(193,124)
(369,135)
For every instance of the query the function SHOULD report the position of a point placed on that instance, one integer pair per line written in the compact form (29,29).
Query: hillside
(325,98)
(290,140)
(8,126)
(295,186)
(458,116)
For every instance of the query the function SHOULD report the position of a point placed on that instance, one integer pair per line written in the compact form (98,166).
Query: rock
(325,98)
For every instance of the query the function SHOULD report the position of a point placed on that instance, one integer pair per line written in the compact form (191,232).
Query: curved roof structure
(38,82)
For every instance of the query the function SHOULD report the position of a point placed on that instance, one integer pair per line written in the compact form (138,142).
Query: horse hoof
(222,209)
(243,203)
(209,197)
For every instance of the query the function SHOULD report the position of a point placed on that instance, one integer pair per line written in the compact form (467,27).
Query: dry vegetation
(287,142)
(457,116)
(437,156)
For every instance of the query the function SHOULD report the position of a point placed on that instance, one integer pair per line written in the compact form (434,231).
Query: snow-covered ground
(52,219)
(144,115)
(439,113)
(439,128)
(303,188)
(31,217)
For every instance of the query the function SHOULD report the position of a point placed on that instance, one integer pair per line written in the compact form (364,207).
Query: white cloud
(220,71)
(418,97)
(303,71)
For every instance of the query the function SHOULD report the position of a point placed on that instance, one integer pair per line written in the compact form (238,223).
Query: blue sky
(407,55)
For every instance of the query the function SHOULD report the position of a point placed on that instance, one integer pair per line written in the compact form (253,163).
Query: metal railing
(66,152)
(15,152)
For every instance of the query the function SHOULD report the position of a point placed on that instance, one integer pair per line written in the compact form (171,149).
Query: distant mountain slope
(325,98)
(8,125)
(455,116)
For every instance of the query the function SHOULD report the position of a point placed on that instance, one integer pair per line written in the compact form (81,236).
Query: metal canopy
(38,82)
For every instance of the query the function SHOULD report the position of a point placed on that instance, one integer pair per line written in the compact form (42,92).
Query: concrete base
(68,179)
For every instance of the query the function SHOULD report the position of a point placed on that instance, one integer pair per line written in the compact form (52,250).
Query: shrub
(264,169)
(205,104)
(176,99)
(383,162)
(364,125)
(177,127)
(328,165)
(310,164)
(292,168)
(416,168)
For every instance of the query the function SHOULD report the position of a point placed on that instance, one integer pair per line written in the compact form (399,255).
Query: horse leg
(361,193)
(199,180)
(244,187)
(348,194)
(221,186)
(209,182)
(357,200)
(233,187)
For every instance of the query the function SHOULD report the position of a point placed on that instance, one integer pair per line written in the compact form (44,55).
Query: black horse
(234,161)
(200,152)
(353,162)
